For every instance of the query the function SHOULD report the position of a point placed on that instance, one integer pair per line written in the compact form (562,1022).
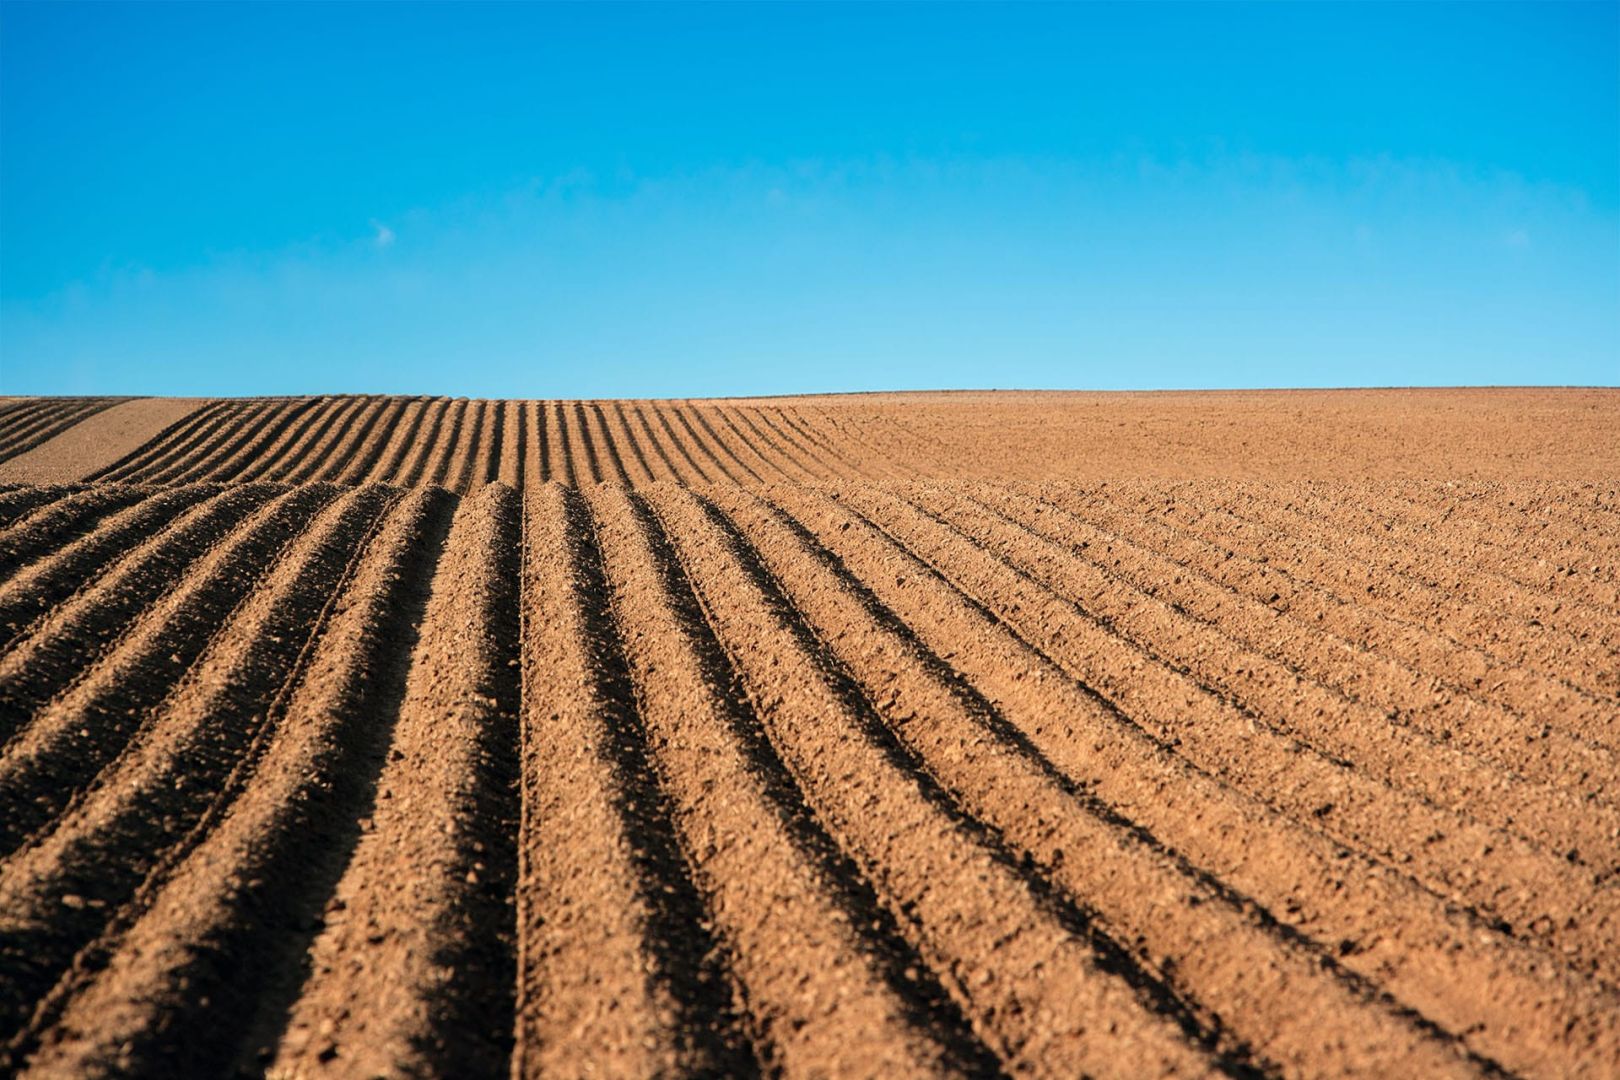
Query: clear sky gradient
(613,200)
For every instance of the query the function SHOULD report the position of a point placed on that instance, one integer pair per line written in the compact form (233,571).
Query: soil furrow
(422,446)
(826,978)
(58,893)
(1557,531)
(274,458)
(1469,976)
(450,438)
(762,451)
(163,447)
(1282,994)
(966,733)
(360,461)
(618,960)
(781,448)
(586,445)
(317,447)
(216,942)
(861,459)
(1272,694)
(657,444)
(250,444)
(694,439)
(390,458)
(21,441)
(1446,611)
(1496,873)
(1535,561)
(1588,510)
(565,452)
(511,442)
(68,740)
(162,438)
(347,443)
(815,447)
(413,969)
(699,414)
(73,637)
(54,417)
(1432,562)
(494,455)
(16,506)
(20,414)
(543,467)
(464,455)
(610,445)
(1457,695)
(1023,965)
(661,410)
(55,524)
(42,414)
(14,406)
(624,435)
(29,597)
(239,423)
(1538,633)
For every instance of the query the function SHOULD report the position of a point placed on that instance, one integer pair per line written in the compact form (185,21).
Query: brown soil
(1047,734)
(63,439)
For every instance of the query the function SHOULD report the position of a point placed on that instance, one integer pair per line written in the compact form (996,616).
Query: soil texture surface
(880,735)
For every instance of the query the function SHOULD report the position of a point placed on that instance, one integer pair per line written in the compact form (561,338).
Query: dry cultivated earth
(1042,734)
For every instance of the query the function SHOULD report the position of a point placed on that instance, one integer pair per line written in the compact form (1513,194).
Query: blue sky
(620,200)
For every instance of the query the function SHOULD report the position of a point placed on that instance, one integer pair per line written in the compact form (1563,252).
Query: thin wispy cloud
(384,236)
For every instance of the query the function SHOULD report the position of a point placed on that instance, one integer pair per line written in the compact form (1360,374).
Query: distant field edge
(1493,433)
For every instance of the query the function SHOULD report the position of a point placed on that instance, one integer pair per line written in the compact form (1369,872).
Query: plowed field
(1046,735)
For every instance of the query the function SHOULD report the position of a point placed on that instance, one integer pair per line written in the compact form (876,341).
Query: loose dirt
(960,734)
(75,437)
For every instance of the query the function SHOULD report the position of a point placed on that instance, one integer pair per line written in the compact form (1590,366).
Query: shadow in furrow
(421,445)
(565,451)
(473,1013)
(730,451)
(241,985)
(272,940)
(265,435)
(609,444)
(1230,1055)
(1014,738)
(39,780)
(60,523)
(629,435)
(652,440)
(388,472)
(662,414)
(204,458)
(150,446)
(104,870)
(587,444)
(349,442)
(466,447)
(689,959)
(20,503)
(927,1003)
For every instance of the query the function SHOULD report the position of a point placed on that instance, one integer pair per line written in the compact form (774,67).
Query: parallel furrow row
(1445,961)
(431,736)
(1455,695)
(215,940)
(20,432)
(1349,571)
(59,891)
